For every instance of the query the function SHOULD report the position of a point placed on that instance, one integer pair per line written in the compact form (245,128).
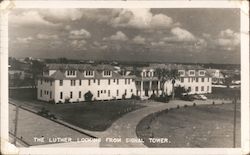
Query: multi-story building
(70,82)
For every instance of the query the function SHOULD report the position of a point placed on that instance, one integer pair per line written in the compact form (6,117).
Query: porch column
(141,88)
(150,87)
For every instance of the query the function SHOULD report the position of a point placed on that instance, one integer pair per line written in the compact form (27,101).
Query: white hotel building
(70,82)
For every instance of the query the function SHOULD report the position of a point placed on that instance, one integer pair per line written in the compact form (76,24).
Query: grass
(95,116)
(200,126)
(224,93)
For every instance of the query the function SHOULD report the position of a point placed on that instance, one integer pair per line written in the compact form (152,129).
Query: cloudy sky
(170,35)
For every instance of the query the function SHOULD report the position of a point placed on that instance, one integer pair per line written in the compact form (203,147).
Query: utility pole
(234,128)
(16,123)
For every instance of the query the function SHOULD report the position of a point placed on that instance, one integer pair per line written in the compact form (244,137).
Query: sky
(162,34)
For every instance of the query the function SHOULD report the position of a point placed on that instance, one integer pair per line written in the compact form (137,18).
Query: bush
(153,97)
(135,97)
(162,98)
(52,101)
(88,96)
(67,100)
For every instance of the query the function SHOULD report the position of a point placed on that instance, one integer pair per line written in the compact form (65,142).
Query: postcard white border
(6,6)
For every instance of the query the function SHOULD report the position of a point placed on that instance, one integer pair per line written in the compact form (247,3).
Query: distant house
(217,76)
(70,82)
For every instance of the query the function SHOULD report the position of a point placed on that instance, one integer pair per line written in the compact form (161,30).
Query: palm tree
(174,75)
(164,75)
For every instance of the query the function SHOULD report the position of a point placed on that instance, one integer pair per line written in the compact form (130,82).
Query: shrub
(178,107)
(88,96)
(135,97)
(153,97)
(194,104)
(67,100)
(185,106)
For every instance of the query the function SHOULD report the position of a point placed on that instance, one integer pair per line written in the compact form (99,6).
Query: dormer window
(181,72)
(89,73)
(107,73)
(202,73)
(191,73)
(71,73)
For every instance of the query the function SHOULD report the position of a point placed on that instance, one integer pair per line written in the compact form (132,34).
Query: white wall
(45,87)
(94,88)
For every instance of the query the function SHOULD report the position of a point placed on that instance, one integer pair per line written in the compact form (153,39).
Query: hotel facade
(62,83)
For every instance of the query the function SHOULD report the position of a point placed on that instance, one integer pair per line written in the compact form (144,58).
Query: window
(114,81)
(117,81)
(196,88)
(71,73)
(94,80)
(106,73)
(202,79)
(41,93)
(89,73)
(61,82)
(202,73)
(202,88)
(125,81)
(108,93)
(71,94)
(89,82)
(182,80)
(61,95)
(41,82)
(188,79)
(197,79)
(98,81)
(128,81)
(189,89)
(44,92)
(50,94)
(108,81)
(98,93)
(181,72)
(117,92)
(80,82)
(72,82)
(208,88)
(51,83)
(125,91)
(131,90)
(208,79)
(101,91)
(191,73)
(80,94)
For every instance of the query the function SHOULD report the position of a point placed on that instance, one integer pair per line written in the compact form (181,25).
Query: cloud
(180,34)
(60,15)
(46,36)
(78,44)
(24,40)
(119,36)
(139,40)
(79,34)
(226,40)
(29,18)
(159,43)
(141,19)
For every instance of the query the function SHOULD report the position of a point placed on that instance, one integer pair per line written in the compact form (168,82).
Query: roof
(78,67)
(60,75)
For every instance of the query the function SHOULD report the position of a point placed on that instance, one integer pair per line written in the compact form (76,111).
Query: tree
(36,69)
(164,75)
(228,81)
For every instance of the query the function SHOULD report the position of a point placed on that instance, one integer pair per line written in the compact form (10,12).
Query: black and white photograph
(146,77)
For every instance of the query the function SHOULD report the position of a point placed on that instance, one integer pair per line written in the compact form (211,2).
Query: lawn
(95,116)
(224,93)
(200,126)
